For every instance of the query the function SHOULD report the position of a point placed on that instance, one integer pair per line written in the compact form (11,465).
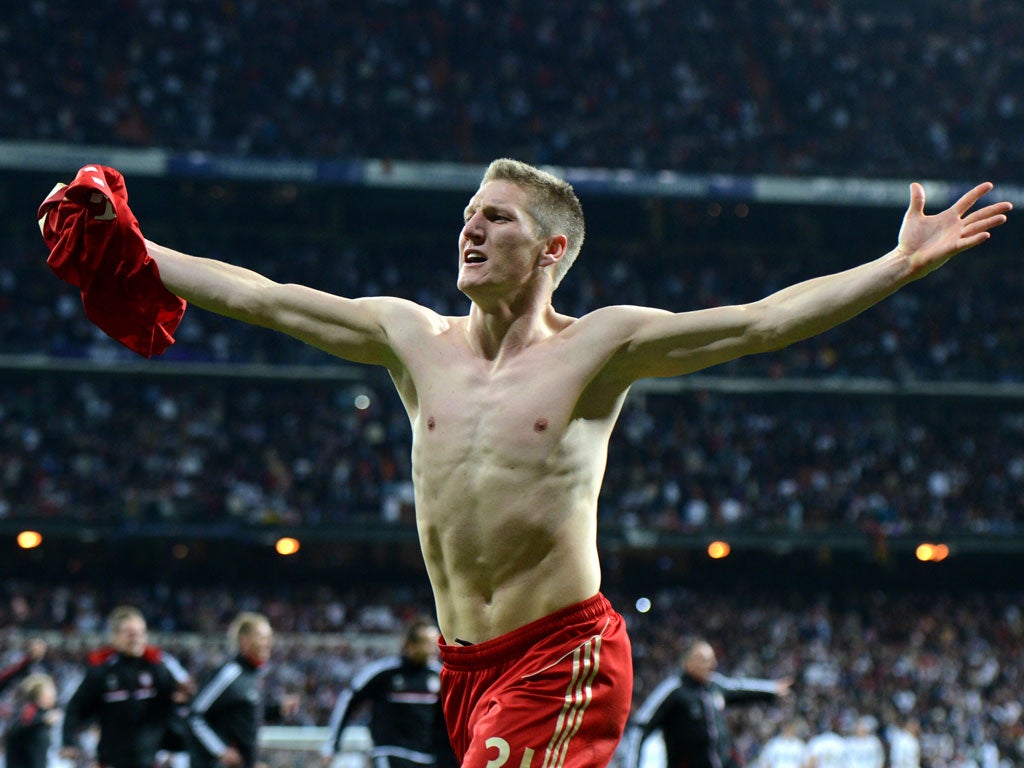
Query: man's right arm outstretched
(359,330)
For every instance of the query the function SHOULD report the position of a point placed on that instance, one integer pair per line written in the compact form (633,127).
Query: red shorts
(554,693)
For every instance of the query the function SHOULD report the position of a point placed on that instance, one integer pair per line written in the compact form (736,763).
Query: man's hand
(184,691)
(783,687)
(928,242)
(231,758)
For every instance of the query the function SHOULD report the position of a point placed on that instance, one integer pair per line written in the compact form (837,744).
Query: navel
(540,425)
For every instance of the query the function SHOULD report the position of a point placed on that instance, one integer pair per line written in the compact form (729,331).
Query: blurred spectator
(826,749)
(784,750)
(863,748)
(904,746)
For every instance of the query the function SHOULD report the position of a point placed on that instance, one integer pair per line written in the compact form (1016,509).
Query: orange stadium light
(931,553)
(29,539)
(718,550)
(286,545)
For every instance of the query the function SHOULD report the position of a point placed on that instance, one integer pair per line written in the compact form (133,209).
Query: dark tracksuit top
(227,711)
(406,723)
(691,718)
(130,697)
(27,740)
(11,673)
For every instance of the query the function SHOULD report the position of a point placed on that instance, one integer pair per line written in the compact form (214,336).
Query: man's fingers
(970,242)
(981,225)
(916,198)
(965,203)
(989,211)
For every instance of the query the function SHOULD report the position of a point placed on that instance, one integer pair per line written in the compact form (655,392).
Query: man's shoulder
(614,324)
(395,306)
(404,318)
(102,656)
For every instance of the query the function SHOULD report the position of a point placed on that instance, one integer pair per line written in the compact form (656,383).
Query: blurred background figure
(229,708)
(904,744)
(34,653)
(784,750)
(826,749)
(863,747)
(29,730)
(689,711)
(127,690)
(403,696)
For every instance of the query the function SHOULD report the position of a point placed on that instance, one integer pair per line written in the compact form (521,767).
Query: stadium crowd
(833,87)
(243,453)
(952,661)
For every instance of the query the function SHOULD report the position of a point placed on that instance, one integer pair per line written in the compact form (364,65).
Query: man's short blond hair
(120,615)
(244,625)
(32,686)
(553,205)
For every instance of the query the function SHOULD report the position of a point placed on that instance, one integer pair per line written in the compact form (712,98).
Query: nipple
(540,425)
(431,424)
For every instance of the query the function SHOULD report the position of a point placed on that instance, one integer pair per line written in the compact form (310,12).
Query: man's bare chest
(516,407)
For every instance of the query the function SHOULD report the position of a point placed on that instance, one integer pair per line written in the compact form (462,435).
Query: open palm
(930,241)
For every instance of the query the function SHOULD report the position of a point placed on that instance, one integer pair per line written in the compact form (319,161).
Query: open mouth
(475,258)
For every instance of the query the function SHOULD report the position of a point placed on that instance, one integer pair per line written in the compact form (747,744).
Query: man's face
(423,648)
(701,662)
(256,644)
(497,245)
(129,636)
(47,697)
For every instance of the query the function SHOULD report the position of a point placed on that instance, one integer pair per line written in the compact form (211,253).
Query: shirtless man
(512,407)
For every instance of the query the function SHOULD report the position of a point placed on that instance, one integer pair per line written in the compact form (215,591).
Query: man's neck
(502,329)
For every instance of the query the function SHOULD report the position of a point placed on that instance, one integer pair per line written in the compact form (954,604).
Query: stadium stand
(834,87)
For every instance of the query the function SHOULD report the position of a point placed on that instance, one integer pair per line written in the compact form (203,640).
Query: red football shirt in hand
(96,245)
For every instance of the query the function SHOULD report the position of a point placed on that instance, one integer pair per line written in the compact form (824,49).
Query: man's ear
(554,250)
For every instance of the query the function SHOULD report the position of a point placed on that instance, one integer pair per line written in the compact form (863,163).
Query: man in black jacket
(128,688)
(403,694)
(227,711)
(689,710)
